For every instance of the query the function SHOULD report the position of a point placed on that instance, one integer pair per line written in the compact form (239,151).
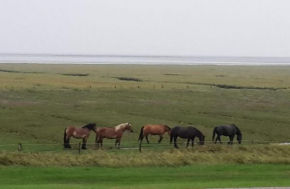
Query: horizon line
(135,55)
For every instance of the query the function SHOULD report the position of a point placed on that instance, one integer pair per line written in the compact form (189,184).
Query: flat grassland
(37,102)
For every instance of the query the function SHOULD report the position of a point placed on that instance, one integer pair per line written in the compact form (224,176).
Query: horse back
(69,130)
(108,132)
(179,131)
(154,129)
(226,130)
(79,132)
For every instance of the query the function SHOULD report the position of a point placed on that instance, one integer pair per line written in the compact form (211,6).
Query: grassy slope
(199,176)
(37,102)
(209,154)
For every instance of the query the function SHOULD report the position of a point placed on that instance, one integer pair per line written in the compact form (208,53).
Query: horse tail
(213,134)
(141,133)
(64,138)
(97,136)
(171,138)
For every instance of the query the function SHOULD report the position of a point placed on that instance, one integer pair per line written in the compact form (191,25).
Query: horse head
(128,127)
(168,130)
(91,126)
(239,138)
(201,140)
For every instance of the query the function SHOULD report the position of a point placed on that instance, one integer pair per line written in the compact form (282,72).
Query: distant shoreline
(142,60)
(156,64)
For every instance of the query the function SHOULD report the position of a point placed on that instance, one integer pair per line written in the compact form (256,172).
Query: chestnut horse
(112,133)
(153,130)
(79,133)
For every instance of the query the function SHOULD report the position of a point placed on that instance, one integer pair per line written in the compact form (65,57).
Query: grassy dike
(211,154)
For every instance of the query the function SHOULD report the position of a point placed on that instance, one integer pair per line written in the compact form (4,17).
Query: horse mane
(118,127)
(89,126)
(238,130)
(168,127)
(198,131)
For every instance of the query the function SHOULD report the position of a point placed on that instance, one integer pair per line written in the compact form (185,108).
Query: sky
(146,27)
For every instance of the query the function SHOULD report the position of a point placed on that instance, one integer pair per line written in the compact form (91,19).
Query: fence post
(252,142)
(79,150)
(19,147)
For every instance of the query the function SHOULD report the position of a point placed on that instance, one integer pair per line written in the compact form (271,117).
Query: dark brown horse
(188,133)
(112,133)
(78,133)
(227,130)
(153,130)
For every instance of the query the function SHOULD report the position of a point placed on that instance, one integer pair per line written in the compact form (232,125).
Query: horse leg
(97,142)
(175,144)
(147,138)
(216,139)
(84,144)
(160,138)
(187,142)
(231,140)
(118,143)
(67,143)
(192,142)
(100,142)
(219,138)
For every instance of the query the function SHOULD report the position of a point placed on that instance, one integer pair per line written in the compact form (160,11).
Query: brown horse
(79,133)
(153,130)
(112,133)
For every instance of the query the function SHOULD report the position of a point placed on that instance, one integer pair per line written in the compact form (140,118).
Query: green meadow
(37,102)
(198,176)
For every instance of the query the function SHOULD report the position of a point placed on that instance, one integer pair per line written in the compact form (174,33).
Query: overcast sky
(147,27)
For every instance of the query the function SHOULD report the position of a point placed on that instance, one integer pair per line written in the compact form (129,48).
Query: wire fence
(51,147)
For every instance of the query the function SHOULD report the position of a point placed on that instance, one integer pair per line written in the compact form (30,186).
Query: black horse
(186,132)
(227,130)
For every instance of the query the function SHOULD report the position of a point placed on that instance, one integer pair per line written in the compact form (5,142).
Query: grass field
(37,102)
(199,176)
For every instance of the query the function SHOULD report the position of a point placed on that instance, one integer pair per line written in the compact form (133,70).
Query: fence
(76,147)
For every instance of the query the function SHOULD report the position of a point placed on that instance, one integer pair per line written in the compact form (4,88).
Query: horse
(227,130)
(188,133)
(153,130)
(112,133)
(78,133)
